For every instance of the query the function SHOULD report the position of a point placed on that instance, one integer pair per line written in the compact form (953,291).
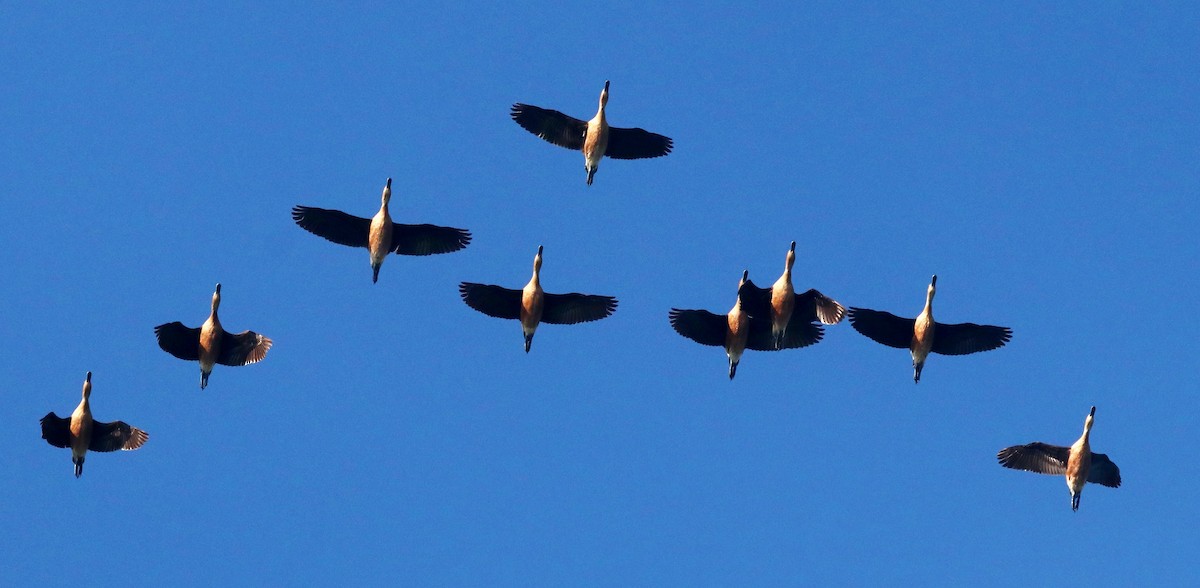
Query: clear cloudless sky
(1041,159)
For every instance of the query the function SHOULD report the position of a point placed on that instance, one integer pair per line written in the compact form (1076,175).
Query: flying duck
(922,335)
(81,433)
(532,306)
(1077,461)
(380,235)
(594,137)
(211,344)
(735,331)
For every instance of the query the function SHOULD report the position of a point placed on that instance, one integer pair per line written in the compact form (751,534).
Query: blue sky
(1042,160)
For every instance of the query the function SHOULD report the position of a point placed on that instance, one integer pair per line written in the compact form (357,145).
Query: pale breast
(922,336)
(739,332)
(532,303)
(783,302)
(210,342)
(81,431)
(595,142)
(379,241)
(1078,464)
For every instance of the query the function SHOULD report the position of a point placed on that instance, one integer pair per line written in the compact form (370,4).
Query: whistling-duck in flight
(594,137)
(81,433)
(922,335)
(380,235)
(531,305)
(1077,461)
(735,331)
(211,344)
(785,309)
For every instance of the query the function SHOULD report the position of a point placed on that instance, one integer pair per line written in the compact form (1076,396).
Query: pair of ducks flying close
(763,319)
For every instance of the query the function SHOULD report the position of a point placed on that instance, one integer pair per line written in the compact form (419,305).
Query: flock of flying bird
(762,319)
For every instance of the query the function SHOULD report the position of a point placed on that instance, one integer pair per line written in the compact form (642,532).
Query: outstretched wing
(243,348)
(551,125)
(178,340)
(1035,457)
(1104,471)
(636,144)
(427,239)
(492,300)
(964,338)
(815,306)
(700,326)
(883,327)
(334,225)
(56,431)
(114,436)
(568,309)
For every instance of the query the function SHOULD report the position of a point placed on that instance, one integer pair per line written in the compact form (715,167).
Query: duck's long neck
(928,310)
(603,102)
(216,303)
(1087,430)
(535,280)
(87,393)
(737,302)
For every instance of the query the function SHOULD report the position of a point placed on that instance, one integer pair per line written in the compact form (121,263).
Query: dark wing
(1035,457)
(56,431)
(700,326)
(551,125)
(755,301)
(568,309)
(798,334)
(815,306)
(178,340)
(243,348)
(636,144)
(334,225)
(114,436)
(883,327)
(427,239)
(965,338)
(492,300)
(1104,471)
